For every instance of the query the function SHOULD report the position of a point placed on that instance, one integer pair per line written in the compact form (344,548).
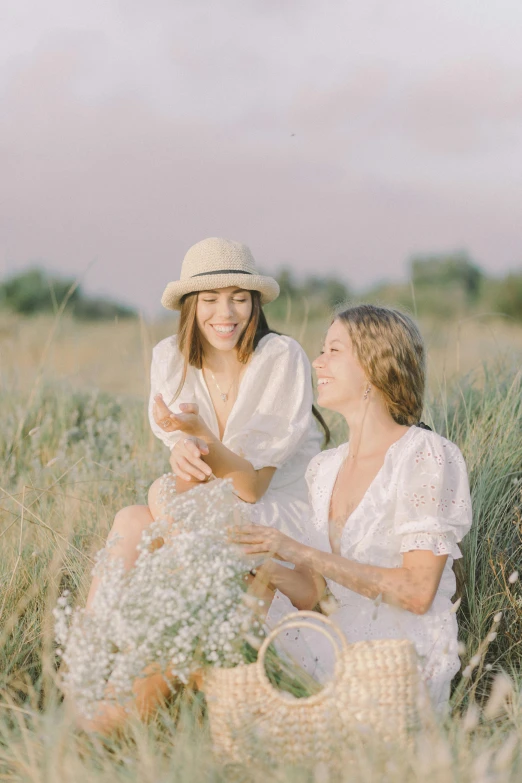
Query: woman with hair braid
(389,507)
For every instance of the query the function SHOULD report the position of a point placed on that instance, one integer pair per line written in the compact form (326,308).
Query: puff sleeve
(322,465)
(433,509)
(312,472)
(163,379)
(275,414)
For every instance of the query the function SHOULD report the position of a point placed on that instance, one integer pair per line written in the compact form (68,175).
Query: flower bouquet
(182,607)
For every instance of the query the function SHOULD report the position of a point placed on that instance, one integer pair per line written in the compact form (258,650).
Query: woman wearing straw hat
(230,399)
(242,394)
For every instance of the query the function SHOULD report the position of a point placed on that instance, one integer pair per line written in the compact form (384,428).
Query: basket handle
(294,621)
(328,629)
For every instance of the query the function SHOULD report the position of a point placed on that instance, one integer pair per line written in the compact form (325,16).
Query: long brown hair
(191,345)
(390,349)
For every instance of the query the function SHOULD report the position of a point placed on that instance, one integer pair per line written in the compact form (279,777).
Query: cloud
(465,108)
(126,138)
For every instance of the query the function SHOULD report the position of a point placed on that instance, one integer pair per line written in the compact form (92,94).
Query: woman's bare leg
(129,524)
(158,495)
(151,690)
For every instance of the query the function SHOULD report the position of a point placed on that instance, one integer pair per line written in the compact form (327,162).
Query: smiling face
(340,378)
(222,316)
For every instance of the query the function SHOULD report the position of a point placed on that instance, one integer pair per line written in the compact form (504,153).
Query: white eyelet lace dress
(270,425)
(419,500)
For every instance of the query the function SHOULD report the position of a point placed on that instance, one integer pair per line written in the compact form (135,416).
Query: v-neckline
(344,450)
(240,387)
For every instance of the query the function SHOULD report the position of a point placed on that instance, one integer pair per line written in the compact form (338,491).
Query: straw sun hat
(218,263)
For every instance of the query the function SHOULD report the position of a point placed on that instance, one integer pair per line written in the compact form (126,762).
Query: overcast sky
(332,135)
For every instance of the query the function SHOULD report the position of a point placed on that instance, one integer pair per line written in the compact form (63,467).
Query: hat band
(222,272)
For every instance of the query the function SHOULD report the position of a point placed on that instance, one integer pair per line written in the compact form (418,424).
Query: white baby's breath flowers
(181,607)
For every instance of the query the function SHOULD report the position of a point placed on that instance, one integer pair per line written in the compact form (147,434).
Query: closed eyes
(213,301)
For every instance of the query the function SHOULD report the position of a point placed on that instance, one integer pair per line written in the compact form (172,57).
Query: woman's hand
(188,421)
(185,460)
(260,540)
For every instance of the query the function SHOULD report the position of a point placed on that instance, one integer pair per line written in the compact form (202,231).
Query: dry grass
(90,453)
(115,357)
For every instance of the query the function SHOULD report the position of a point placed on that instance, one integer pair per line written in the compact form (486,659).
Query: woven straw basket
(374,692)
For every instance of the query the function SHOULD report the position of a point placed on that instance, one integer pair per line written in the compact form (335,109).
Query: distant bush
(332,290)
(35,291)
(321,294)
(450,286)
(98,309)
(390,294)
(445,285)
(455,270)
(507,296)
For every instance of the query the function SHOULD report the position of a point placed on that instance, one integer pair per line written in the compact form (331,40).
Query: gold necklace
(223,395)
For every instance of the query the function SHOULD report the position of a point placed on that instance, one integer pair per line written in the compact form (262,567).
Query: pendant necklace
(223,395)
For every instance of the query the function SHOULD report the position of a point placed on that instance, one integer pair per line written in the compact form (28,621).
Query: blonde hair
(390,349)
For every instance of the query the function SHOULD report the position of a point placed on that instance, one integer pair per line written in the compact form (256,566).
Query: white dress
(270,425)
(419,500)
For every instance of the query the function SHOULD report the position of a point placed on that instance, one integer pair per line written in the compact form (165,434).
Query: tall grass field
(75,446)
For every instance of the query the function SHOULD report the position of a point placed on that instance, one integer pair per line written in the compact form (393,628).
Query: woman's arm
(412,586)
(301,585)
(280,412)
(249,484)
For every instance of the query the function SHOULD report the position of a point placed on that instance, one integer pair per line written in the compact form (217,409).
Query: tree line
(37,291)
(440,286)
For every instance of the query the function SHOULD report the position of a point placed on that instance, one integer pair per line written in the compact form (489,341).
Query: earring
(367,392)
